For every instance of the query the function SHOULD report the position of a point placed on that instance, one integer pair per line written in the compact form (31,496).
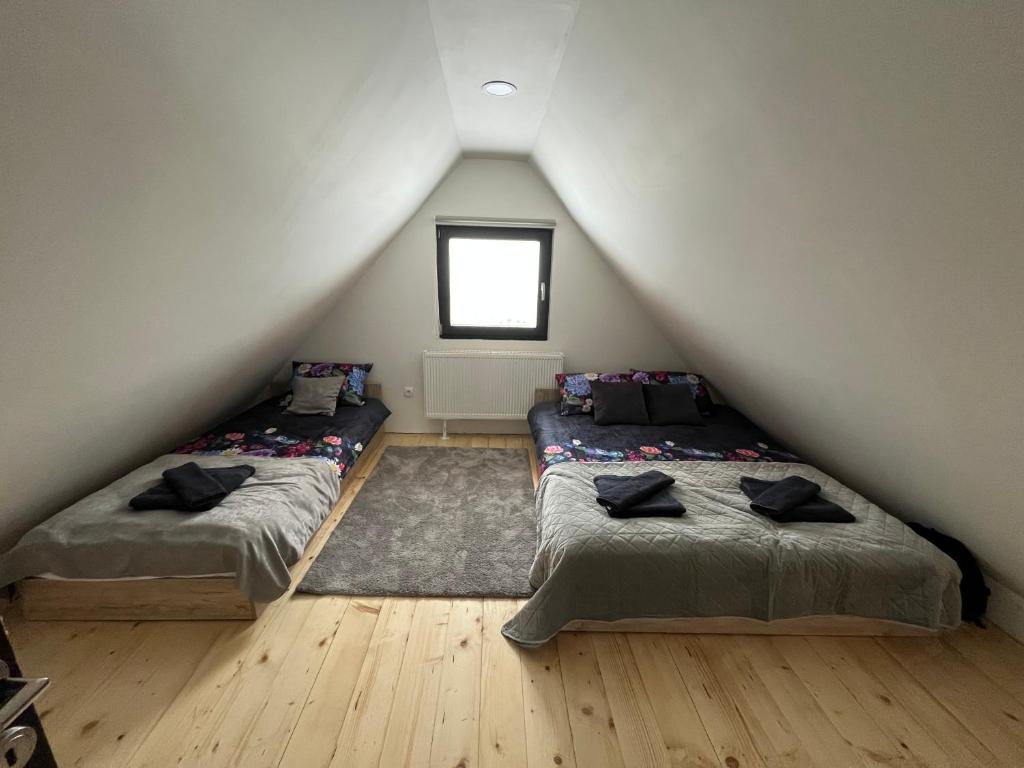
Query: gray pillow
(619,403)
(315,395)
(671,404)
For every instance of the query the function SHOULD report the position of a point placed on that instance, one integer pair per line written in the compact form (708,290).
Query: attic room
(468,383)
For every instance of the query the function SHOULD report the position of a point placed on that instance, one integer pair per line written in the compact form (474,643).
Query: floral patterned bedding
(266,430)
(726,436)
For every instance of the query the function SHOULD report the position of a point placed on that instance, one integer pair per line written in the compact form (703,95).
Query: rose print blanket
(267,431)
(727,435)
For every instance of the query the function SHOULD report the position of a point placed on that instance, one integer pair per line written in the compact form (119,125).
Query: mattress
(721,559)
(727,435)
(267,430)
(257,533)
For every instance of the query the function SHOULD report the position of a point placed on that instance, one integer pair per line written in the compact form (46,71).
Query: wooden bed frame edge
(546,396)
(165,599)
(833,626)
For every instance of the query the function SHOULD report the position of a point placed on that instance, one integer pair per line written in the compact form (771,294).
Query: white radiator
(485,385)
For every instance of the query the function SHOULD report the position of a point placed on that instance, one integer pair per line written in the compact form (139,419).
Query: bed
(720,567)
(99,560)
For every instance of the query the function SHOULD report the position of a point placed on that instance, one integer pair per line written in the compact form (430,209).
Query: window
(493,282)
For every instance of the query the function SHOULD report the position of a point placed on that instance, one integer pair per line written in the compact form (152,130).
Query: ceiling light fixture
(498,88)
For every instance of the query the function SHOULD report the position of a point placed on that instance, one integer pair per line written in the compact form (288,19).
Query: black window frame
(447,231)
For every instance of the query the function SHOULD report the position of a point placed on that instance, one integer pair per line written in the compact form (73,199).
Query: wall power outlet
(407,391)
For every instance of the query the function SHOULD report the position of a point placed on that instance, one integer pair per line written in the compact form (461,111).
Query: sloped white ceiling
(521,42)
(823,204)
(185,188)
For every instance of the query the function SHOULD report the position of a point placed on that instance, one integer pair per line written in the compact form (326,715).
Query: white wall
(824,203)
(185,187)
(389,316)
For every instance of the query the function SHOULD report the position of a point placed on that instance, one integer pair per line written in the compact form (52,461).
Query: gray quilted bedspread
(720,559)
(256,533)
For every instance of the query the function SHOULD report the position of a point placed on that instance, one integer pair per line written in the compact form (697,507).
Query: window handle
(543,291)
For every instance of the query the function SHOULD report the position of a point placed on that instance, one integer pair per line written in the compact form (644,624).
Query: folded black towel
(784,495)
(637,496)
(196,488)
(661,504)
(816,510)
(165,495)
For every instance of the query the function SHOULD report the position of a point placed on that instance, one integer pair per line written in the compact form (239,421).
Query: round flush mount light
(498,88)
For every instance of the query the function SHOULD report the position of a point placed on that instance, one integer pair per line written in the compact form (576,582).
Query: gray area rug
(455,522)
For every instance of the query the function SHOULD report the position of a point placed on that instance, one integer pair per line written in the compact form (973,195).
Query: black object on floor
(973,590)
(41,756)
(816,510)
(193,490)
(643,495)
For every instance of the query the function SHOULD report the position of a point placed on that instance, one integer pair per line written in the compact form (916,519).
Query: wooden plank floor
(337,681)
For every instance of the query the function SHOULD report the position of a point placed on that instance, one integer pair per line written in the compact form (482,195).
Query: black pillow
(671,404)
(618,402)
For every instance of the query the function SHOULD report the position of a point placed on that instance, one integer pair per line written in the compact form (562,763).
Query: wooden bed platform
(829,626)
(162,599)
(841,626)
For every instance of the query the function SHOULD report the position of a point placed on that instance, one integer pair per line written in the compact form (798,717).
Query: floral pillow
(575,390)
(352,391)
(698,385)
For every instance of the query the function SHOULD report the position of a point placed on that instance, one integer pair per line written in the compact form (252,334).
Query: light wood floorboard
(337,681)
